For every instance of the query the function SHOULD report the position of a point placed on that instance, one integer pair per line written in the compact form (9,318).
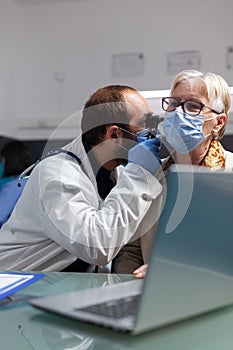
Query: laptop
(191,265)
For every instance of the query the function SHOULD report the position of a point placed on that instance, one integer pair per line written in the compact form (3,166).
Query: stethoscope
(23,175)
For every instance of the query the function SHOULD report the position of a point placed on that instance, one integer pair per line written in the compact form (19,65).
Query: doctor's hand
(141,271)
(146,155)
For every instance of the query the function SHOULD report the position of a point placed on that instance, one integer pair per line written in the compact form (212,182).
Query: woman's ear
(220,121)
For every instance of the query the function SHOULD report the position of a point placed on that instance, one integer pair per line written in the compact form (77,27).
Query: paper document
(12,282)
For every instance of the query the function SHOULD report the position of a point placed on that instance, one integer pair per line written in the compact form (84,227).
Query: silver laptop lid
(191,265)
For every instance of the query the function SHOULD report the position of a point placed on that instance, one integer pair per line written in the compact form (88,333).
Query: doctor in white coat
(75,211)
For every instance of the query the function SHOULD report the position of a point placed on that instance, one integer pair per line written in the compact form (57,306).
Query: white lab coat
(60,216)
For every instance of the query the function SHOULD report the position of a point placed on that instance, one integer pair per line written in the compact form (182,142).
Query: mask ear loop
(208,119)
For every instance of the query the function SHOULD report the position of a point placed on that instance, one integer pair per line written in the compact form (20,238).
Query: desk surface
(23,327)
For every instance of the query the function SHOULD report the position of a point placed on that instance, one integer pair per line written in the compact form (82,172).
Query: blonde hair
(217,91)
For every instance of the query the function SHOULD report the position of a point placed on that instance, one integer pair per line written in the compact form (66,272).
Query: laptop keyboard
(118,308)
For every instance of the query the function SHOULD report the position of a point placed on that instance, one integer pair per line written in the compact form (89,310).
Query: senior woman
(196,113)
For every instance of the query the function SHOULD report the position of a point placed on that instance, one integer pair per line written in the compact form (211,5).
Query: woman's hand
(141,271)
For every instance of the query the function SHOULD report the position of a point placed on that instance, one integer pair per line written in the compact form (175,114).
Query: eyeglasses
(190,107)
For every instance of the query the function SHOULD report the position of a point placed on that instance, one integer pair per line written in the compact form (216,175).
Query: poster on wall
(127,65)
(180,60)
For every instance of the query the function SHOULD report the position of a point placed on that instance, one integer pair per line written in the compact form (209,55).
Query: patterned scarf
(214,158)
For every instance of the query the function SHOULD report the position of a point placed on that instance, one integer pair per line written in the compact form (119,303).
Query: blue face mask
(183,132)
(1,169)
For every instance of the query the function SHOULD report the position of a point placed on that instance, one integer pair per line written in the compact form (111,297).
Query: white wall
(8,83)
(54,54)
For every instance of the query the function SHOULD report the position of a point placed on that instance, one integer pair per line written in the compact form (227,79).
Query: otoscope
(152,124)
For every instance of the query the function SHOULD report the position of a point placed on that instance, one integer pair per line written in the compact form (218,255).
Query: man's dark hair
(106,106)
(17,157)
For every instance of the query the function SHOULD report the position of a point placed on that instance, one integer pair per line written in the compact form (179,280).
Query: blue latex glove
(145,154)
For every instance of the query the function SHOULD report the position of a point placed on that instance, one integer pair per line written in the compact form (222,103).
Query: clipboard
(11,282)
